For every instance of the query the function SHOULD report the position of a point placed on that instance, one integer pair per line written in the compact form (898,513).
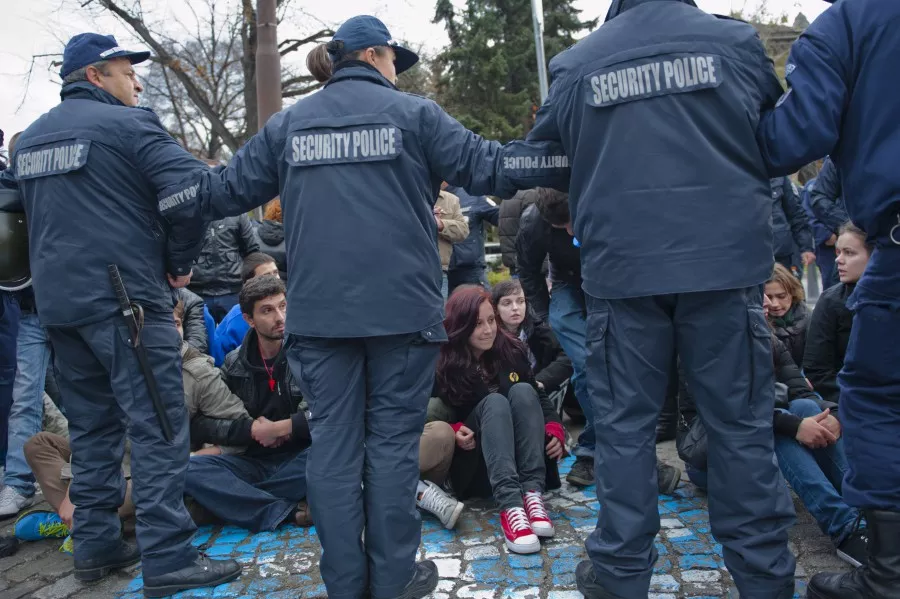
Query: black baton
(134,329)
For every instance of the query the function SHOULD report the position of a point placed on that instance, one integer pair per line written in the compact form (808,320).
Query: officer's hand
(831,240)
(813,435)
(182,281)
(465,438)
(555,449)
(808,258)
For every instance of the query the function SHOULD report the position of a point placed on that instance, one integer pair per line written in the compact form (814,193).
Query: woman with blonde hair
(788,314)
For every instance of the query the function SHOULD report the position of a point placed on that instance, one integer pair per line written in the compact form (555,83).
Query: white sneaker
(11,502)
(437,502)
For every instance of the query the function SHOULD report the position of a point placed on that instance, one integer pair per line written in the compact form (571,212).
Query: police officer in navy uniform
(89,172)
(670,200)
(843,100)
(358,166)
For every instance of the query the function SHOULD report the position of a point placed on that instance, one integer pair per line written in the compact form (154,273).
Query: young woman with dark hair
(552,368)
(831,321)
(508,435)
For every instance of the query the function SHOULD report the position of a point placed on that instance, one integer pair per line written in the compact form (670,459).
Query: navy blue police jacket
(469,253)
(843,100)
(826,199)
(821,233)
(358,166)
(657,111)
(89,172)
(790,225)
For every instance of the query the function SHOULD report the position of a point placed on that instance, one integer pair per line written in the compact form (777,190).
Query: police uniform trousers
(367,400)
(104,395)
(723,342)
(870,385)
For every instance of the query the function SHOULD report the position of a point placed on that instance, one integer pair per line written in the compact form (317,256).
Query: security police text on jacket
(790,227)
(358,166)
(217,270)
(843,100)
(657,111)
(89,172)
(536,241)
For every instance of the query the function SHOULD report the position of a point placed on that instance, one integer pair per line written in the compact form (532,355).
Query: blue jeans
(26,415)
(256,493)
(816,475)
(9,330)
(567,319)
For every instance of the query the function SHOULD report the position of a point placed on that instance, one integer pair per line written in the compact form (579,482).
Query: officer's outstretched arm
(806,122)
(482,167)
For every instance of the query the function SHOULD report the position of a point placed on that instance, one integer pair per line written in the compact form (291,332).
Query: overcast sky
(38,27)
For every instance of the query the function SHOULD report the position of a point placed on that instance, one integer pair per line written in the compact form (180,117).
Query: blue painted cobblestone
(473,559)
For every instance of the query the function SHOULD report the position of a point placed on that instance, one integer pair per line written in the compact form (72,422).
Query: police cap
(361,32)
(87,48)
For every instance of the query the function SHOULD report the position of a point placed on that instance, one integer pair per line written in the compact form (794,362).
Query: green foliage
(487,77)
(498,275)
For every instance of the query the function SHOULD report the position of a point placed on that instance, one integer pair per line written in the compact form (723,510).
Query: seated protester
(265,487)
(48,453)
(508,435)
(195,331)
(829,326)
(436,448)
(231,331)
(552,368)
(809,449)
(788,314)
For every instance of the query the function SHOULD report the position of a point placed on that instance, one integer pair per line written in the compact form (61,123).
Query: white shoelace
(534,505)
(518,519)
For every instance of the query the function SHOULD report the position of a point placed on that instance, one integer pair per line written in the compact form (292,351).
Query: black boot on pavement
(877,579)
(120,556)
(582,472)
(204,572)
(423,583)
(587,584)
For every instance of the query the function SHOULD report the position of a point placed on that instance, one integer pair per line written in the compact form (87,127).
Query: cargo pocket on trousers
(597,361)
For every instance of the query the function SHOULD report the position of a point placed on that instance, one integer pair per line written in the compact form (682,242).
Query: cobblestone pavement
(472,560)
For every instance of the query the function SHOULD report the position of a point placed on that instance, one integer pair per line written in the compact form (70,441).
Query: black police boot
(586,582)
(119,556)
(786,593)
(667,425)
(423,583)
(880,577)
(204,572)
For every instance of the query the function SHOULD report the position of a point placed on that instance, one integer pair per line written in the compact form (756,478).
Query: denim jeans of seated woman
(815,475)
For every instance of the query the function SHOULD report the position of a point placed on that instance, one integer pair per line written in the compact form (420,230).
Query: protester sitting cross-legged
(265,487)
(508,435)
(831,321)
(809,449)
(436,449)
(231,331)
(48,453)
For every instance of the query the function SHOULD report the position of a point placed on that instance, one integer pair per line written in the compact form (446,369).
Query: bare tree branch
(28,75)
(291,45)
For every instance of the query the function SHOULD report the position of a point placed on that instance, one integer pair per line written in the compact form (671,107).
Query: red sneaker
(520,538)
(537,514)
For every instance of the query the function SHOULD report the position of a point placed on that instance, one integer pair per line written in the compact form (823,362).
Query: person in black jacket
(508,435)
(217,271)
(788,313)
(831,321)
(790,226)
(265,487)
(194,325)
(809,450)
(511,211)
(271,236)
(826,201)
(552,368)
